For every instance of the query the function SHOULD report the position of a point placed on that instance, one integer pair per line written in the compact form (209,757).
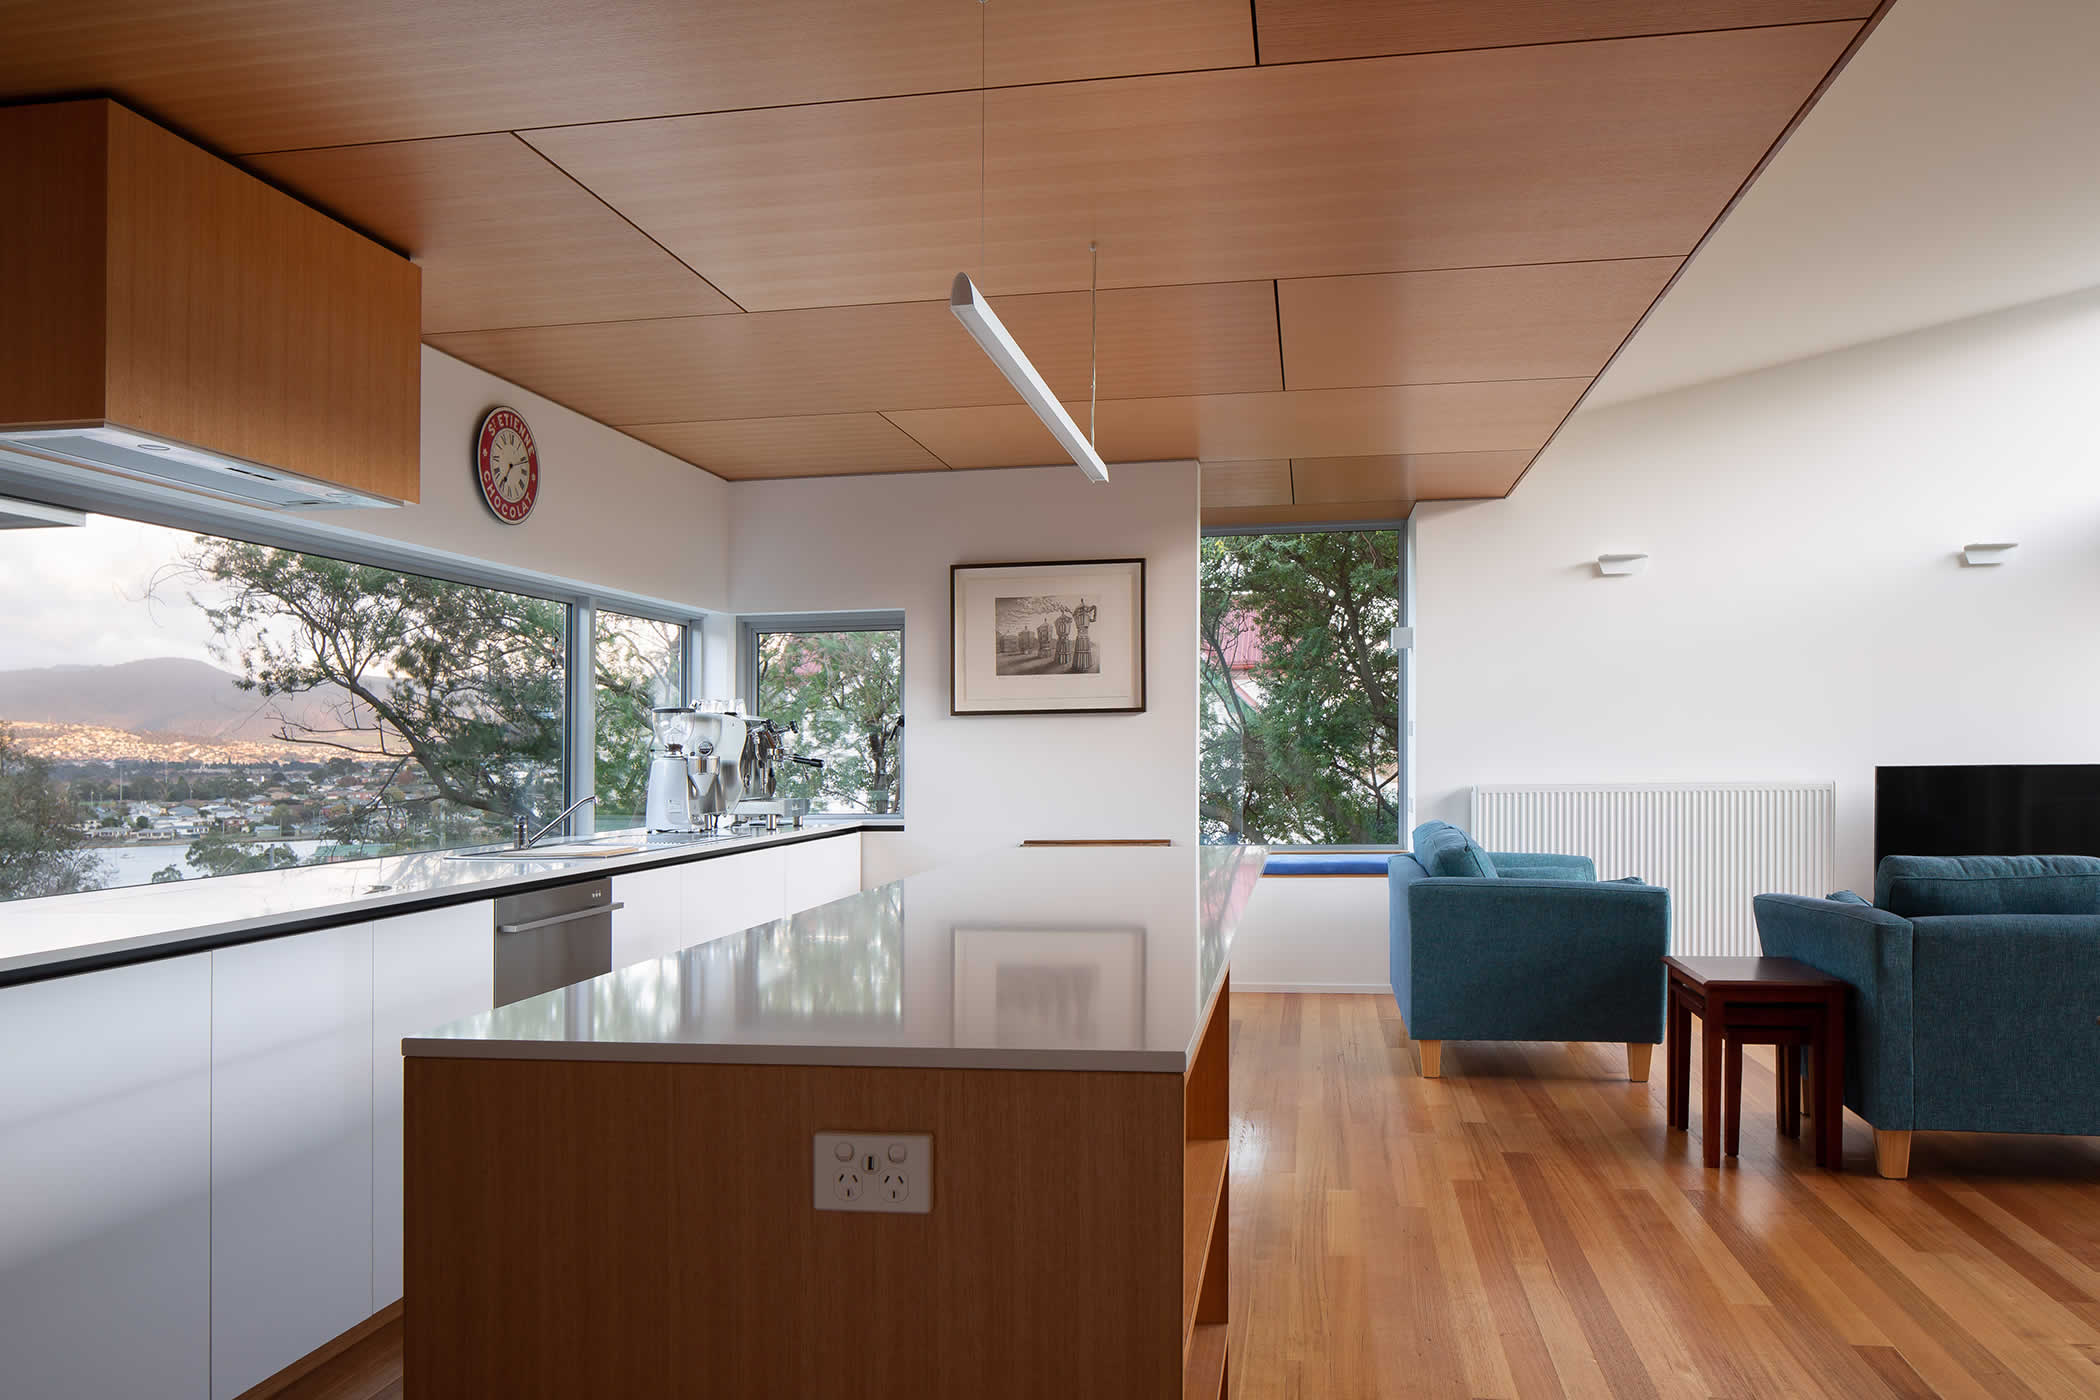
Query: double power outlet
(882,1173)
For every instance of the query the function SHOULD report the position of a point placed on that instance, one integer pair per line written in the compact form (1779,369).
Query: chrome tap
(526,843)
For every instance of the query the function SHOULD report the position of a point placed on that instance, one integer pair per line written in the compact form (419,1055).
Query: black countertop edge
(210,936)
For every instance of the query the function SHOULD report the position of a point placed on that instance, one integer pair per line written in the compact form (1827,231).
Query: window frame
(1404,785)
(750,625)
(146,504)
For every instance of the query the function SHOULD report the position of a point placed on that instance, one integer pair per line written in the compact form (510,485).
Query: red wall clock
(507,465)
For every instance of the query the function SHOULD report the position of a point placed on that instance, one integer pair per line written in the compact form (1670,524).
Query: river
(136,865)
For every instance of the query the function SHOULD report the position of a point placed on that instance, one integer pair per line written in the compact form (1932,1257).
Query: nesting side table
(1756,1001)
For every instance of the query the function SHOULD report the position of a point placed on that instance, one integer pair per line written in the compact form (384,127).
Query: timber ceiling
(1354,254)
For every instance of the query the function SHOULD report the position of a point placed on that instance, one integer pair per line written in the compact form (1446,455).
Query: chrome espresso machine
(709,762)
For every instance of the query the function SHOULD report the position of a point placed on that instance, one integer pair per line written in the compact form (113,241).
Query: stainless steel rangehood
(145,458)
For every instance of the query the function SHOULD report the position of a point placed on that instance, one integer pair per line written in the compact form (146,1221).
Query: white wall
(1314,933)
(1804,615)
(613,512)
(977,782)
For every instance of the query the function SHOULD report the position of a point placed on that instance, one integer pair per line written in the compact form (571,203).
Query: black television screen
(1987,809)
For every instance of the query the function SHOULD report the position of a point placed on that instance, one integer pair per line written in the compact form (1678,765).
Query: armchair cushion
(1444,850)
(1841,897)
(1927,886)
(1542,865)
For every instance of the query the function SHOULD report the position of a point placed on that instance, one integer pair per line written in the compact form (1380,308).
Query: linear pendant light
(985,328)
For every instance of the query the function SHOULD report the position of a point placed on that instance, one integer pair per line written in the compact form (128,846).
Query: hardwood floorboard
(1526,1227)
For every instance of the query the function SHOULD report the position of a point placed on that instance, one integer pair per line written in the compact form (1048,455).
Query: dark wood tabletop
(1751,972)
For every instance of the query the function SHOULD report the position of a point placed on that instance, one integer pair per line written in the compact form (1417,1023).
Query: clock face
(507,465)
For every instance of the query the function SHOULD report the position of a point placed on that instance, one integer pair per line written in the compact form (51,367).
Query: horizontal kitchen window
(177,705)
(840,681)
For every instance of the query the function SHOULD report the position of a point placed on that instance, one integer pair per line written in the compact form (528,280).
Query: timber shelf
(1205,1213)
(1204,1377)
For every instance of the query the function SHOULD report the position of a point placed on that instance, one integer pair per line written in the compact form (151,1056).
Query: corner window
(637,664)
(844,686)
(1300,688)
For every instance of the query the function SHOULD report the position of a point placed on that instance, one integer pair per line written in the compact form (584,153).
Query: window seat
(1356,863)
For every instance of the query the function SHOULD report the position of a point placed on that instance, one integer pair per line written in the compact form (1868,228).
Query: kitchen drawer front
(732,893)
(427,969)
(818,872)
(291,1170)
(652,922)
(105,1178)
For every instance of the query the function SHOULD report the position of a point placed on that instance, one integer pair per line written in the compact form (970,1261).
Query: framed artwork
(1065,989)
(1060,637)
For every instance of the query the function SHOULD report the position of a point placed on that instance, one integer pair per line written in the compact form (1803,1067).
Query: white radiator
(1715,845)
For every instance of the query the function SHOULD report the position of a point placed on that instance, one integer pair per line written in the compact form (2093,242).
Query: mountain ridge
(164,695)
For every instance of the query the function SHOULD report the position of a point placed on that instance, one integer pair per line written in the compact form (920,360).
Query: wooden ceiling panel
(1423,418)
(1430,476)
(1539,322)
(1560,153)
(1054,41)
(1155,341)
(1304,31)
(817,445)
(297,73)
(1246,484)
(849,203)
(504,238)
(1352,513)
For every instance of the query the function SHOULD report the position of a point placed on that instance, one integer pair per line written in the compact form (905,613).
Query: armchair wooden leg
(1638,1058)
(1432,1052)
(1892,1152)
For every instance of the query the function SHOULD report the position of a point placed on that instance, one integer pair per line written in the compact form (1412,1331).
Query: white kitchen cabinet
(291,1167)
(651,921)
(105,1176)
(731,893)
(817,872)
(428,968)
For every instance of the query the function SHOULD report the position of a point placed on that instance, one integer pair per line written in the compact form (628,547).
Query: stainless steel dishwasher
(553,937)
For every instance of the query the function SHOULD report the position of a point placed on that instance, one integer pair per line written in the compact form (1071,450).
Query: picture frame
(1050,988)
(1051,637)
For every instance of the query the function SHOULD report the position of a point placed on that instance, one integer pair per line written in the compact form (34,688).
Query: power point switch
(882,1173)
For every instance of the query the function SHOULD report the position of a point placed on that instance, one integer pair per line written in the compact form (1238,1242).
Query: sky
(81,596)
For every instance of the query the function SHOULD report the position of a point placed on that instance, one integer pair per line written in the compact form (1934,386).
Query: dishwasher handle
(569,918)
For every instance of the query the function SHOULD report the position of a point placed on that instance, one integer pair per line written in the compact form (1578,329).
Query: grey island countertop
(1086,958)
(64,934)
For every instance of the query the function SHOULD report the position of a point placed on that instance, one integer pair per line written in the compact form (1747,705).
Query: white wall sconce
(1621,565)
(1978,556)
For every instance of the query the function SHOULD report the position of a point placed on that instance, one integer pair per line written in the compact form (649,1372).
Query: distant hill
(166,695)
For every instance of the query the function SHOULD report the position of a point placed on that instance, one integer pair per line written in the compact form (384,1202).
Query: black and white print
(1047,635)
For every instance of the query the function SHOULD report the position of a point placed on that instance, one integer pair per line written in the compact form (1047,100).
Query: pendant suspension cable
(1093,303)
(982,40)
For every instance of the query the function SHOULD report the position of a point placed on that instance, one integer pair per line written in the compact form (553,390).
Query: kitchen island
(619,1188)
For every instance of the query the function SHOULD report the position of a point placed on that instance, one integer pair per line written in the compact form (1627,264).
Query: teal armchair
(1521,946)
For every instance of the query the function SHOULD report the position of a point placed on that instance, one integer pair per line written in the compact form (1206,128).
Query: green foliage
(166,875)
(464,684)
(1304,748)
(216,853)
(39,849)
(846,691)
(638,666)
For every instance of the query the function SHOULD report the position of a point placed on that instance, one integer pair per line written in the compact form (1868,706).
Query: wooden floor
(1526,1227)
